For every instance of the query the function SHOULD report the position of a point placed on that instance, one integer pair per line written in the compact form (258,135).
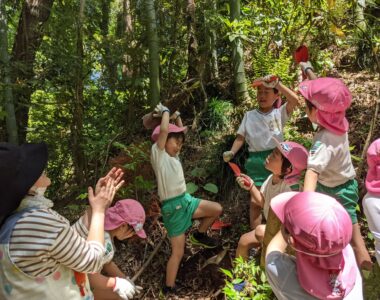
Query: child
(257,128)
(371,201)
(285,163)
(330,168)
(122,221)
(178,207)
(319,230)
(40,253)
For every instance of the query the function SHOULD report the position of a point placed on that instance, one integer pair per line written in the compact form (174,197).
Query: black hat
(20,167)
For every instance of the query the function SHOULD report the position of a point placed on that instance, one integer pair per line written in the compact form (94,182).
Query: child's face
(274,161)
(174,145)
(124,232)
(266,98)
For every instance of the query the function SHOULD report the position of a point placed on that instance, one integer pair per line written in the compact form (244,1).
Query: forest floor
(200,279)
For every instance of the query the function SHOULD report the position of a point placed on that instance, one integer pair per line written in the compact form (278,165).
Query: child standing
(286,162)
(330,168)
(319,230)
(257,128)
(178,207)
(122,221)
(371,201)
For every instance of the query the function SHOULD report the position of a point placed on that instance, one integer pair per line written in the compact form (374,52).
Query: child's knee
(218,209)
(244,241)
(259,232)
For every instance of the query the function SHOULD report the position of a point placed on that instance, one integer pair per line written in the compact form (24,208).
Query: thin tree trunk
(6,90)
(154,58)
(211,43)
(240,84)
(77,125)
(192,48)
(29,35)
(128,30)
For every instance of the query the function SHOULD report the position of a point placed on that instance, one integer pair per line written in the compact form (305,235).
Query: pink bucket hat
(372,181)
(172,128)
(297,155)
(126,211)
(332,98)
(322,230)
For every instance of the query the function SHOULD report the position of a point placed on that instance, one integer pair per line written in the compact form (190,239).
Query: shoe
(202,239)
(169,289)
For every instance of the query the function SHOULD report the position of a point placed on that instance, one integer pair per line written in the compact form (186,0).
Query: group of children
(43,257)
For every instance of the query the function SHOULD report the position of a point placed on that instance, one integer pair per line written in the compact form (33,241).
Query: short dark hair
(176,135)
(285,166)
(310,105)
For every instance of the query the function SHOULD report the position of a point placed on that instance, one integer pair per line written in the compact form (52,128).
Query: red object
(235,168)
(259,81)
(80,279)
(301,54)
(218,224)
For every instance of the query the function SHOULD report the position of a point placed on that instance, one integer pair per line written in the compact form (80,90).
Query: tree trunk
(192,48)
(33,16)
(78,109)
(238,57)
(6,91)
(128,30)
(211,44)
(154,58)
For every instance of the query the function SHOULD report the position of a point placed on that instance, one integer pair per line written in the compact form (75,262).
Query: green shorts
(347,194)
(254,166)
(177,213)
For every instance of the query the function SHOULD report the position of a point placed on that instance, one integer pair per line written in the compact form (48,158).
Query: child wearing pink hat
(122,221)
(371,201)
(319,230)
(258,127)
(285,163)
(329,168)
(178,208)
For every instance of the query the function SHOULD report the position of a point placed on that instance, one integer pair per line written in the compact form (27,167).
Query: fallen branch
(143,267)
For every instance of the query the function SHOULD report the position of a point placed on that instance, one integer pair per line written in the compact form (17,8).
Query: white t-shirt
(330,158)
(258,128)
(270,190)
(169,173)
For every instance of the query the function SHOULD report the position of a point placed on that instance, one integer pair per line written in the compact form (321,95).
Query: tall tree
(29,35)
(211,41)
(154,58)
(192,48)
(240,83)
(6,91)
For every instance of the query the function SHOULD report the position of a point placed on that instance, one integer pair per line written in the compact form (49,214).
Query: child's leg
(178,248)
(361,253)
(254,214)
(208,212)
(246,242)
(260,232)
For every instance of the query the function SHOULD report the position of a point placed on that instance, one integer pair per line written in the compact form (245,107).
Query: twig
(216,294)
(148,260)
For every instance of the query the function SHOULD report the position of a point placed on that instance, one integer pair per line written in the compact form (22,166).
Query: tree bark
(240,83)
(211,43)
(154,58)
(192,48)
(29,35)
(6,88)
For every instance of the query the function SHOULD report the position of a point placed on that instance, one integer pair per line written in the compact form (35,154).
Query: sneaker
(202,239)
(169,289)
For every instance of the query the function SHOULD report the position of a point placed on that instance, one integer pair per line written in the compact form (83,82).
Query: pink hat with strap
(297,156)
(332,98)
(321,229)
(127,211)
(372,181)
(172,128)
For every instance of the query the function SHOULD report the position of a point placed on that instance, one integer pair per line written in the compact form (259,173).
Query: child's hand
(116,174)
(305,66)
(104,197)
(125,288)
(159,110)
(245,182)
(228,155)
(175,115)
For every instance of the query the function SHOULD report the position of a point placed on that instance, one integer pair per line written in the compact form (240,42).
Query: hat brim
(172,129)
(141,233)
(278,204)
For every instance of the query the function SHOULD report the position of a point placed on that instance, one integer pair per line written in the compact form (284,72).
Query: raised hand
(116,174)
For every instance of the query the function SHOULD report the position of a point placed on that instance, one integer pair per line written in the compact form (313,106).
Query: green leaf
(198,172)
(228,273)
(210,187)
(191,187)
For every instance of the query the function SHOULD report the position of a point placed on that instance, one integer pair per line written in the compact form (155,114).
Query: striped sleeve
(80,228)
(43,239)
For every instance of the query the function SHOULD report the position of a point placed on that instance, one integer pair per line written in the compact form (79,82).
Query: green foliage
(256,285)
(200,174)
(218,115)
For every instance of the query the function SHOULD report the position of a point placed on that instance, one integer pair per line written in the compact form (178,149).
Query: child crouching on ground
(329,168)
(285,163)
(178,208)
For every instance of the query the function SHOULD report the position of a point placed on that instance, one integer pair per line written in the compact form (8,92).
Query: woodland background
(80,74)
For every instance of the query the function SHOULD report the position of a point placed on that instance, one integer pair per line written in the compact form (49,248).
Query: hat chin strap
(312,254)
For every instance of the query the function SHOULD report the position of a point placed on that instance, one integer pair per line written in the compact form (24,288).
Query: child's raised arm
(164,112)
(291,96)
(308,70)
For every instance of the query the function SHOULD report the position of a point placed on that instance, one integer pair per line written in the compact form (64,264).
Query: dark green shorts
(347,194)
(254,166)
(177,213)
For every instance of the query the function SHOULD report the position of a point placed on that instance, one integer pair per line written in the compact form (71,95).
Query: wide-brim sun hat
(172,129)
(20,168)
(332,98)
(372,181)
(322,230)
(126,211)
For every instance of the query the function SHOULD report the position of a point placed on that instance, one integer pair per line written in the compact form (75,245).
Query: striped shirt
(43,239)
